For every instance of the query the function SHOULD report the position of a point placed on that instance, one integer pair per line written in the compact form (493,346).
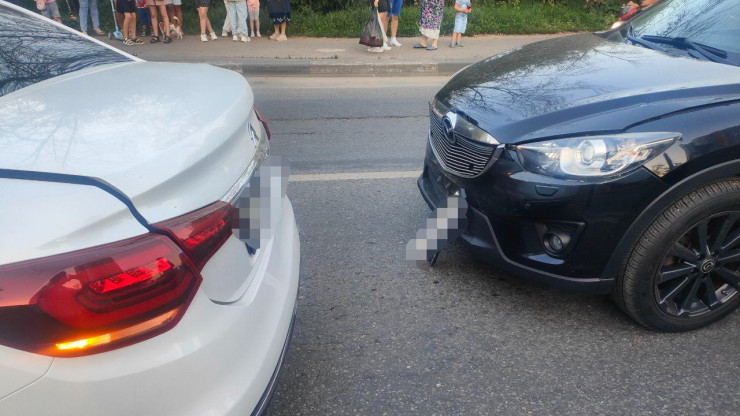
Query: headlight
(593,156)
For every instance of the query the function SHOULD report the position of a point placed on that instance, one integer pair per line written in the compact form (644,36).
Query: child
(462,7)
(128,8)
(49,9)
(237,13)
(145,17)
(254,15)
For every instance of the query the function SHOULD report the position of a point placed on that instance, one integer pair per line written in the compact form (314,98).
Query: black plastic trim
(77,180)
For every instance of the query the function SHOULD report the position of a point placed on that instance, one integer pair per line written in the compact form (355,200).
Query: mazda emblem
(449,129)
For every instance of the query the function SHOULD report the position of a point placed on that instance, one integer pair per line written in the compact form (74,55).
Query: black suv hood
(582,84)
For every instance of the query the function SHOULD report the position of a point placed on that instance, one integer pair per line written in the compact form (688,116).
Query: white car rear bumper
(220,359)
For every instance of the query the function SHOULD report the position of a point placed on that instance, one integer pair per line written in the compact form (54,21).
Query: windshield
(33,49)
(713,23)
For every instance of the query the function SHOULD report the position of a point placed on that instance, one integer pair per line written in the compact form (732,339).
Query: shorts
(202,3)
(174,2)
(383,6)
(395,7)
(126,6)
(254,16)
(51,11)
(461,22)
(145,16)
(153,3)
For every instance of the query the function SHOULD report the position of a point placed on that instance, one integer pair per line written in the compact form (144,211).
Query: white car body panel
(172,137)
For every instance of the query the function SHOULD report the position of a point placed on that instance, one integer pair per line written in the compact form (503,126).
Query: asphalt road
(376,335)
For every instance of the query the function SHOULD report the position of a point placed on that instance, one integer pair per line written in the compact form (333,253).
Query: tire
(668,282)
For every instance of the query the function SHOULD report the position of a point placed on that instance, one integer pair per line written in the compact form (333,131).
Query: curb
(321,68)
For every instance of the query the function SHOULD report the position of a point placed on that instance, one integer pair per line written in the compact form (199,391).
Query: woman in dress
(280,15)
(430,22)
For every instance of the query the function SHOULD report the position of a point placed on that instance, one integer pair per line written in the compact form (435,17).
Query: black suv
(606,162)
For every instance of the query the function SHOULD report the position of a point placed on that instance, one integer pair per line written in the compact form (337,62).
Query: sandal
(431,48)
(419,46)
(154,39)
(99,32)
(459,44)
(452,44)
(167,39)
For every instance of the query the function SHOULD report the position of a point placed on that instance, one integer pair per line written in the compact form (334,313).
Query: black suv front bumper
(510,210)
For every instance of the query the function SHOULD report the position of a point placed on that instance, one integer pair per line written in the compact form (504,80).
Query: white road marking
(351,176)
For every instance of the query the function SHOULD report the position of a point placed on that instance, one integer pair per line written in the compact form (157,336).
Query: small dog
(175,32)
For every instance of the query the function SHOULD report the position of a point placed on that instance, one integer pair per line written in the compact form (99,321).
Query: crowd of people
(242,19)
(162,19)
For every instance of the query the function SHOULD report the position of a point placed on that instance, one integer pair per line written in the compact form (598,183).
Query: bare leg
(202,15)
(424,41)
(394,25)
(126,21)
(155,23)
(165,20)
(283,25)
(208,21)
(132,26)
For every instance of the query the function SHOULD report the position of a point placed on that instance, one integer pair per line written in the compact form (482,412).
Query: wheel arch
(726,170)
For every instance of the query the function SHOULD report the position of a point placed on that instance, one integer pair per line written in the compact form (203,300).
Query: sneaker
(386,47)
(167,39)
(137,41)
(452,44)
(252,35)
(224,34)
(203,37)
(282,38)
(258,34)
(143,33)
(459,44)
(395,42)
(244,38)
(274,36)
(154,39)
(213,36)
(377,49)
(235,38)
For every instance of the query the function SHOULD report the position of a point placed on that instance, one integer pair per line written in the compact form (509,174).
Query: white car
(149,258)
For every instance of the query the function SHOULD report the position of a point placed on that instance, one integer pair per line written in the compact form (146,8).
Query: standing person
(227,21)
(90,7)
(128,8)
(205,22)
(462,7)
(393,14)
(254,16)
(280,15)
(49,9)
(145,18)
(237,12)
(383,8)
(162,5)
(430,22)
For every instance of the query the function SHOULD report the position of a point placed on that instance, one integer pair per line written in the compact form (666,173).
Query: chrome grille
(464,157)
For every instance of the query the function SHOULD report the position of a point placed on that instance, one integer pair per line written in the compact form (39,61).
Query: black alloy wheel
(699,274)
(683,273)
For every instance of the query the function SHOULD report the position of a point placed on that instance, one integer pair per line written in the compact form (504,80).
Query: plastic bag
(372,35)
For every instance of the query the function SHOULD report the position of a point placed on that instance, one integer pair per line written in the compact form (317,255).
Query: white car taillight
(110,296)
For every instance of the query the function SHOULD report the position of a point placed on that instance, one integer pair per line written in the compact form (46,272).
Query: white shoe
(386,47)
(395,42)
(274,36)
(258,34)
(203,37)
(236,38)
(282,38)
(244,38)
(224,34)
(213,36)
(252,34)
(377,49)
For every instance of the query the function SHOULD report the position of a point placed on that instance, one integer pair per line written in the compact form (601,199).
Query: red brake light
(97,299)
(264,123)
(202,232)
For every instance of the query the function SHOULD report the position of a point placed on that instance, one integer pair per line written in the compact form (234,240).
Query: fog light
(556,242)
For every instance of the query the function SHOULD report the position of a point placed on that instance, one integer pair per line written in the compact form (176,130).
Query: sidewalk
(326,56)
